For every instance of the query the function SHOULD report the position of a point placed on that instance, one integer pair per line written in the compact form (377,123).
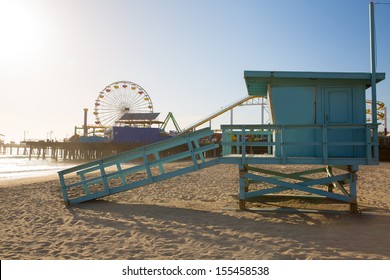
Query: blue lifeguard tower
(318,121)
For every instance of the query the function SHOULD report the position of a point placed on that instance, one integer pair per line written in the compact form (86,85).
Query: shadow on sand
(329,234)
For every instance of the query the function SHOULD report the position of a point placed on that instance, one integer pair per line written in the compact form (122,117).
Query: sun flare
(19,31)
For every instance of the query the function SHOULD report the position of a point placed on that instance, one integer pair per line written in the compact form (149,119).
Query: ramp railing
(135,168)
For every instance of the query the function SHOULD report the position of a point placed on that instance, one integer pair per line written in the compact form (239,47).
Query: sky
(190,56)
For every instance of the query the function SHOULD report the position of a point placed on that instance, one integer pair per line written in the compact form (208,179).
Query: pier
(64,150)
(13,149)
(75,151)
(91,151)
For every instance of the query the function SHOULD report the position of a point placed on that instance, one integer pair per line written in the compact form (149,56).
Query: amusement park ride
(120,98)
(381,112)
(326,133)
(124,113)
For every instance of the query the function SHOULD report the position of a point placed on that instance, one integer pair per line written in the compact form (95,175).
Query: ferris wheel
(380,110)
(119,98)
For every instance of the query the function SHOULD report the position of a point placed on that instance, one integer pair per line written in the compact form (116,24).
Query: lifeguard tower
(318,119)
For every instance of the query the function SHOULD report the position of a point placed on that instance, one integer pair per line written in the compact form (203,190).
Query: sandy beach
(190,217)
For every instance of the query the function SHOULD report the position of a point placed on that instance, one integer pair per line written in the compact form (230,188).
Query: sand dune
(190,217)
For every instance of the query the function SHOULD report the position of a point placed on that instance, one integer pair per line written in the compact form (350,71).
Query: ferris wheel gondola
(120,98)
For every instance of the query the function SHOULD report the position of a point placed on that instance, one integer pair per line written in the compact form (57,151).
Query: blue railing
(342,144)
(135,168)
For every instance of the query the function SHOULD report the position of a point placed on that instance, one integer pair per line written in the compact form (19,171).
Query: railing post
(157,157)
(85,185)
(196,141)
(243,145)
(104,177)
(226,138)
(269,139)
(282,144)
(146,163)
(353,206)
(244,185)
(63,187)
(191,149)
(375,142)
(325,144)
(368,144)
(119,168)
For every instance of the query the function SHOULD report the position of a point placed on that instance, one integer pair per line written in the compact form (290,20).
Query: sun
(19,30)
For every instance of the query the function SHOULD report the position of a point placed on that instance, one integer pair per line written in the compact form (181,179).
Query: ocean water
(17,167)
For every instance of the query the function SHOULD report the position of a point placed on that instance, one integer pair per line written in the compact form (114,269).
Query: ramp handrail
(134,168)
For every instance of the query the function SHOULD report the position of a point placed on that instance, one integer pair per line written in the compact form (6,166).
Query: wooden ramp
(135,168)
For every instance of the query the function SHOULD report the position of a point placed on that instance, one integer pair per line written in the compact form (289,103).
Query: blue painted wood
(143,182)
(258,193)
(121,176)
(305,186)
(100,172)
(135,153)
(312,76)
(281,154)
(315,98)
(232,159)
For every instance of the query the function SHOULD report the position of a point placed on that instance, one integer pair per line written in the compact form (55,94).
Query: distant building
(137,128)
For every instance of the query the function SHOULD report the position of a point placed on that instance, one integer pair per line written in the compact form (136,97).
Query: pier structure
(13,149)
(74,150)
(64,150)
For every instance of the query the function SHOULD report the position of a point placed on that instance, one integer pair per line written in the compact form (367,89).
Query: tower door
(339,110)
